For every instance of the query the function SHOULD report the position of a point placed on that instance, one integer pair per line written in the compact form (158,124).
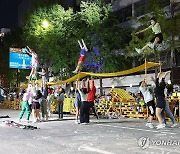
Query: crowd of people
(38,101)
(161,105)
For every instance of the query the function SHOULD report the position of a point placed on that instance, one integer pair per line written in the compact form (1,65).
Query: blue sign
(19,60)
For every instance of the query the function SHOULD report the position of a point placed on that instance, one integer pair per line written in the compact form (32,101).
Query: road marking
(87,148)
(146,130)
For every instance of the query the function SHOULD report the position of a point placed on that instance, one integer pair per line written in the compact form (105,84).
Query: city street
(104,136)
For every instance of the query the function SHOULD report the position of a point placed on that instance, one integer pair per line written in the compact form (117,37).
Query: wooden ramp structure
(124,104)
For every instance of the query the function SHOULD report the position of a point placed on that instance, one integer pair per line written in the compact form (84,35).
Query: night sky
(9,13)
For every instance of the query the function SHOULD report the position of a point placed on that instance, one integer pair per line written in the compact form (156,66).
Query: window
(124,13)
(139,8)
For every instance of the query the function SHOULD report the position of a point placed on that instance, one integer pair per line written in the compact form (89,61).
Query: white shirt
(25,97)
(38,100)
(146,94)
(156,28)
(83,96)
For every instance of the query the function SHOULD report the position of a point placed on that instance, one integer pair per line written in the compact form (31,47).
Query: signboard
(18,58)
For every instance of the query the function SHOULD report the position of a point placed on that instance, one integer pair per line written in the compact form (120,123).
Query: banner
(18,58)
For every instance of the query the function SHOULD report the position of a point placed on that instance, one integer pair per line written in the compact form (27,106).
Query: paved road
(106,136)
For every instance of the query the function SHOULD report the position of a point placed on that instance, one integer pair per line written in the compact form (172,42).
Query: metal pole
(179,111)
(145,70)
(17,77)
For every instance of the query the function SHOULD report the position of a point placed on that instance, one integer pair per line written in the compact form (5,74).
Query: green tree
(102,27)
(11,39)
(154,8)
(57,45)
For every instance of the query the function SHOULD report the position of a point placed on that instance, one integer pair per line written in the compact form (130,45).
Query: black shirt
(159,90)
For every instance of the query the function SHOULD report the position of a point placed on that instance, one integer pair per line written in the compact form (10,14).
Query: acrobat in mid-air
(156,40)
(82,55)
(34,63)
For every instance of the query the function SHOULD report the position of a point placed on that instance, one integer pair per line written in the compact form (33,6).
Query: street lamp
(45,24)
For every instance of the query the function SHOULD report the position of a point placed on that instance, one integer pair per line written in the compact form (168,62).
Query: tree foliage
(155,8)
(57,45)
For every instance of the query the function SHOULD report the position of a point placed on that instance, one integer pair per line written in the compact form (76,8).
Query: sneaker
(27,121)
(174,125)
(138,50)
(75,71)
(84,123)
(150,125)
(34,121)
(160,126)
(76,122)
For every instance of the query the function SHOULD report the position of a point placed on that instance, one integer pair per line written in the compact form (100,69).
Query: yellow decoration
(83,74)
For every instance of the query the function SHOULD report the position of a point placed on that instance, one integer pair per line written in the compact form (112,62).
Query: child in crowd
(36,104)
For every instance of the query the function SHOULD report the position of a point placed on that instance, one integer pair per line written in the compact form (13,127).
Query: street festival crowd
(36,100)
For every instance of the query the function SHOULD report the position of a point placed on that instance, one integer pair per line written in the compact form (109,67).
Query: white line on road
(87,148)
(146,130)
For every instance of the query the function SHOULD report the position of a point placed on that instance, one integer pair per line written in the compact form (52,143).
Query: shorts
(151,107)
(35,105)
(81,58)
(160,36)
(160,103)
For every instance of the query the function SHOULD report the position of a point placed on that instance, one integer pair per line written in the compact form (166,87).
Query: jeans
(60,109)
(44,108)
(168,112)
